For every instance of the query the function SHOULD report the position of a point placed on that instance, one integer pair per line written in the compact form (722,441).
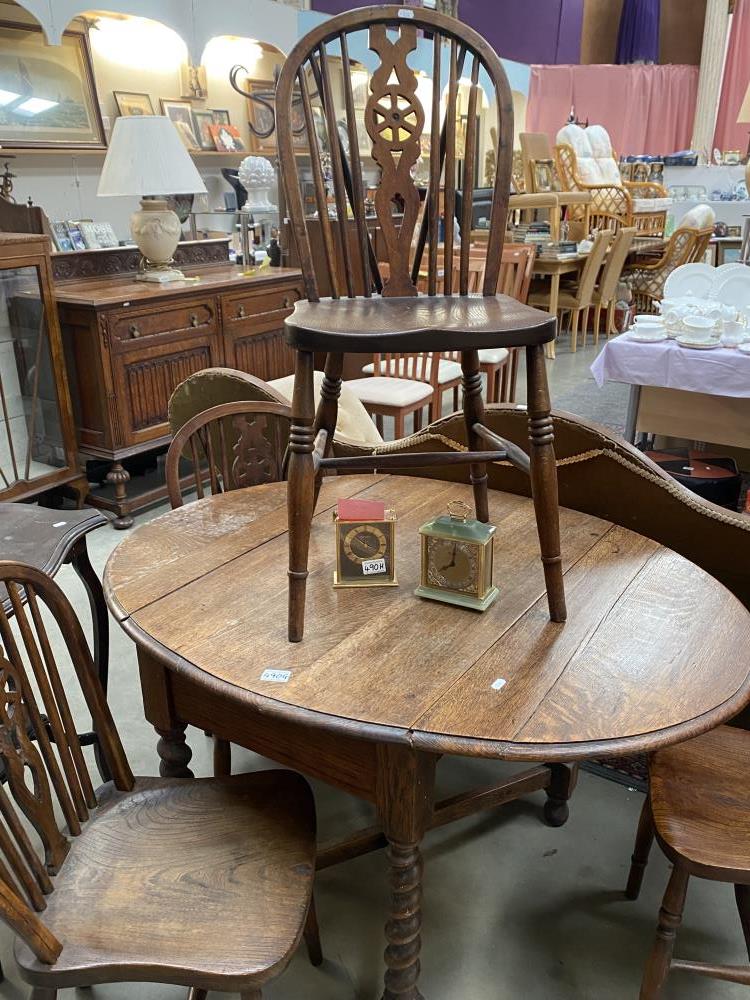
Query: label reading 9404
(371,567)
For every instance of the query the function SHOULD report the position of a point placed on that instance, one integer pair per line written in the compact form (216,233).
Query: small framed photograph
(544,176)
(202,122)
(130,104)
(193,82)
(226,138)
(181,114)
(220,116)
(641,173)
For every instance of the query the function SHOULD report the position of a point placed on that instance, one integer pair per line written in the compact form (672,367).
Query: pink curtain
(730,135)
(645,109)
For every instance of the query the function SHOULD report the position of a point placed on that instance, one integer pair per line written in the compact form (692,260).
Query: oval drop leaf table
(385,682)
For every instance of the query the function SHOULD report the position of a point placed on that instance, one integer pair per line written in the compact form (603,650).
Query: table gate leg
(563,778)
(405,787)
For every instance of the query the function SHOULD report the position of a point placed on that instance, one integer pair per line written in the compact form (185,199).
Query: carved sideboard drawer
(179,319)
(235,308)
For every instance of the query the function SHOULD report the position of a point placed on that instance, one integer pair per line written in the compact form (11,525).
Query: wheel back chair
(366,314)
(204,883)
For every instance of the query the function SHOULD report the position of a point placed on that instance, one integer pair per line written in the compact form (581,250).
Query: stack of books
(561,250)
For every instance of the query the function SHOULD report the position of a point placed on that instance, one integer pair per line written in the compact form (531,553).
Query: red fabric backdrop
(730,135)
(645,109)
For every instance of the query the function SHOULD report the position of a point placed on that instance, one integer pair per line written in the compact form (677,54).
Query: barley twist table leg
(174,753)
(404,926)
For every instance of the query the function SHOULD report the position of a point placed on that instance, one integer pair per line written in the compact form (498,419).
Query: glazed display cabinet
(37,434)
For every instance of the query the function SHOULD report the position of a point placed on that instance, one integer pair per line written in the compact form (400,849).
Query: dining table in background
(385,683)
(699,395)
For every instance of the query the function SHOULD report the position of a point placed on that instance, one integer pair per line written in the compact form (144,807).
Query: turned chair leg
(575,317)
(474,414)
(742,896)
(670,918)
(544,479)
(222,758)
(597,321)
(643,842)
(328,407)
(300,490)
(312,936)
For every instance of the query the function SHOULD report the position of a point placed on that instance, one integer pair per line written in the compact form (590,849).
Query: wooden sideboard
(128,344)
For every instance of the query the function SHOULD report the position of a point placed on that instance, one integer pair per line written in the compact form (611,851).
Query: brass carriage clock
(457,557)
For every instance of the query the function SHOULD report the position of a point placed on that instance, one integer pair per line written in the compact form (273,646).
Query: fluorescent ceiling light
(35,105)
(7,97)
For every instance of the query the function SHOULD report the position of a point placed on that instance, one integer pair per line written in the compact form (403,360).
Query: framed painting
(220,116)
(181,114)
(132,104)
(48,96)
(202,121)
(261,114)
(193,82)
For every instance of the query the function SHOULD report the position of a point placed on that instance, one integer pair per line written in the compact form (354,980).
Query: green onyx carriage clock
(457,559)
(365,545)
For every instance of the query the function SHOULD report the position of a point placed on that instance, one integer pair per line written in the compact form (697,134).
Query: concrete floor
(511,909)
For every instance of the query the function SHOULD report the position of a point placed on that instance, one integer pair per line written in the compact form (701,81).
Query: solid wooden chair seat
(701,804)
(184,882)
(422,323)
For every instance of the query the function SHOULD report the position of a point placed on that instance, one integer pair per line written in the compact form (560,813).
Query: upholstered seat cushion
(699,217)
(353,422)
(424,323)
(595,161)
(493,356)
(383,391)
(448,371)
(651,204)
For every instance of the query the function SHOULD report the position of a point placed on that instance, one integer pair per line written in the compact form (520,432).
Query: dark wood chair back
(231,445)
(40,751)
(393,122)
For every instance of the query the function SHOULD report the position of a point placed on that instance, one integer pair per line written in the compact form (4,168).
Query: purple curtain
(638,38)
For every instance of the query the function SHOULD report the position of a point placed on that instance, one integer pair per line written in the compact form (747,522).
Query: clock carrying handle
(515,455)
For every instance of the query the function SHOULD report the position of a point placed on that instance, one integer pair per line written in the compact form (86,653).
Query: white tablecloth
(721,372)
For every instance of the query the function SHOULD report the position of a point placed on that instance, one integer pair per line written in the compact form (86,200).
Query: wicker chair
(686,245)
(544,189)
(586,162)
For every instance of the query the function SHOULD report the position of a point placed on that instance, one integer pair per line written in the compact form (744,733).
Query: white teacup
(734,333)
(699,327)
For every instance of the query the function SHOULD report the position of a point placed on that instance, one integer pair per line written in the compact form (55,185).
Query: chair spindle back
(392,128)
(237,444)
(39,748)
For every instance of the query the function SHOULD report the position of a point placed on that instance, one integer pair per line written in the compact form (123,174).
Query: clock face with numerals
(364,542)
(452,565)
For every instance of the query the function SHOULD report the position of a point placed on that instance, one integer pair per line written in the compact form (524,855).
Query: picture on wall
(261,115)
(48,92)
(181,114)
(220,117)
(193,82)
(226,138)
(202,121)
(132,105)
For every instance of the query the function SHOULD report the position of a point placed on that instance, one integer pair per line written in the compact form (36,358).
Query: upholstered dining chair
(366,313)
(577,299)
(204,884)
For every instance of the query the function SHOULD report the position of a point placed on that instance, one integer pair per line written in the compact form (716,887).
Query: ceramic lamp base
(160,276)
(156,231)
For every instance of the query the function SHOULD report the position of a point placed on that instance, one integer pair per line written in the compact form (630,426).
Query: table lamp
(147,158)
(743,118)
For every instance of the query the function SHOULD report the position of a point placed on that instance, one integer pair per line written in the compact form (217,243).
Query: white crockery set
(703,307)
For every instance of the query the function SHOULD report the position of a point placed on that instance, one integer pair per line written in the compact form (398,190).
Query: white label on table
(406,13)
(371,567)
(277,676)
(59,524)
(499,684)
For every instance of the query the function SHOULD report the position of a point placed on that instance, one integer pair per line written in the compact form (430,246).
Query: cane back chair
(366,314)
(203,883)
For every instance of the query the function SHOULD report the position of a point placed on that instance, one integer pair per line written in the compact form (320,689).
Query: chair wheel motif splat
(369,313)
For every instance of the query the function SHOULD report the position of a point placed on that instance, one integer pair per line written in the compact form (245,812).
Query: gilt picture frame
(54,103)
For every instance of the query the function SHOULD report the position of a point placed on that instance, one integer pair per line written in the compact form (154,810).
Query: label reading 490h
(371,567)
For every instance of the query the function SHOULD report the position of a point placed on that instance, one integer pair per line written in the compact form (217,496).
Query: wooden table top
(652,652)
(101,292)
